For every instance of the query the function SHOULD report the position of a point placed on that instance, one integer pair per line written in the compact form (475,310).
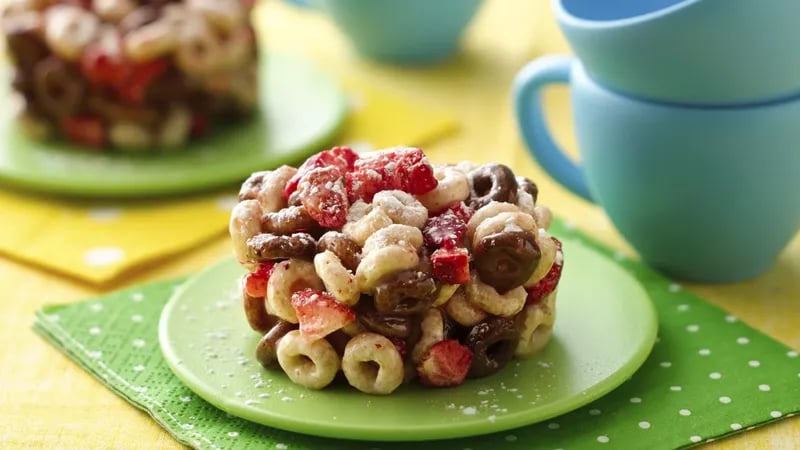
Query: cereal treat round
(391,270)
(132,75)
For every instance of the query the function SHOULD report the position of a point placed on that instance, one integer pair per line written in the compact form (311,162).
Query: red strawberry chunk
(255,283)
(134,86)
(550,281)
(323,193)
(84,130)
(102,62)
(343,158)
(319,314)
(451,265)
(405,169)
(445,364)
(446,230)
(401,345)
(462,211)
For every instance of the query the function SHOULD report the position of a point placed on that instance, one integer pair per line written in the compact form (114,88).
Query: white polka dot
(675,388)
(704,352)
(635,400)
(187,426)
(553,426)
(775,414)
(710,440)
(136,318)
(753,363)
(644,425)
(226,202)
(764,387)
(692,328)
(361,147)
(685,412)
(595,412)
(138,343)
(725,399)
(137,297)
(674,287)
(233,433)
(104,215)
(140,389)
(730,318)
(603,439)
(96,307)
(683,308)
(94,331)
(742,341)
(281,446)
(715,375)
(96,354)
(186,399)
(510,438)
(665,364)
(791,354)
(695,439)
(103,256)
(138,368)
(736,426)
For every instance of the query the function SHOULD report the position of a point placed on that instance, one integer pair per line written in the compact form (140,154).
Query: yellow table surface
(46,401)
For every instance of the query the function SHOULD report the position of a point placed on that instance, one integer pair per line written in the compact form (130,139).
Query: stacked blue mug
(687,115)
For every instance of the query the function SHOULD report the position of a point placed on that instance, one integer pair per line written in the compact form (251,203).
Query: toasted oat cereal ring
(287,221)
(402,208)
(68,29)
(238,48)
(372,364)
(453,188)
(245,223)
(536,326)
(548,249)
(361,229)
(506,221)
(129,135)
(113,10)
(529,187)
(199,51)
(543,216)
(312,364)
(288,277)
(175,130)
(270,191)
(224,15)
(383,262)
(526,202)
(150,42)
(444,293)
(58,87)
(487,212)
(251,186)
(395,234)
(488,299)
(267,348)
(339,281)
(406,292)
(506,259)
(462,311)
(268,246)
(138,18)
(492,342)
(435,327)
(492,182)
(346,249)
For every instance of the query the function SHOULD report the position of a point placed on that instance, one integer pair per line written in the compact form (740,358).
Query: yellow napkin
(99,241)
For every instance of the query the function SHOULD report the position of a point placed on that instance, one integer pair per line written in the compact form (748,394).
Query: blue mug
(703,194)
(710,52)
(403,32)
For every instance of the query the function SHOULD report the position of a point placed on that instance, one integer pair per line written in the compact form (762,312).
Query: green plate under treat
(605,328)
(301,109)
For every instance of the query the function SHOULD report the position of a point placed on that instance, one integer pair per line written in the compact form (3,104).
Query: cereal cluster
(388,268)
(130,74)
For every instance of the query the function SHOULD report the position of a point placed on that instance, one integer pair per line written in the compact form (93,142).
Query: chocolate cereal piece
(267,246)
(492,182)
(507,259)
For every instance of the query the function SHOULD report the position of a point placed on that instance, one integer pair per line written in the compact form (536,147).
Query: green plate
(301,109)
(605,329)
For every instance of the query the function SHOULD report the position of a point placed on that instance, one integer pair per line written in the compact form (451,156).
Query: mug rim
(566,17)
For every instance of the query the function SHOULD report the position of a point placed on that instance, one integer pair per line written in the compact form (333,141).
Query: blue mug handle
(528,86)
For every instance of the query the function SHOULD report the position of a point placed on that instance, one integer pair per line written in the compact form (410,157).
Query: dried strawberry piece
(461,210)
(445,364)
(451,265)
(319,313)
(446,230)
(343,158)
(550,281)
(255,283)
(322,191)
(405,169)
(84,130)
(103,65)
(134,86)
(401,345)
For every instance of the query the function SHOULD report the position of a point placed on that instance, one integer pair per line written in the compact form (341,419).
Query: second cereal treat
(388,269)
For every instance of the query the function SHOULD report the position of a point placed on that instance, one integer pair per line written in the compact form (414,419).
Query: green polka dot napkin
(708,376)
